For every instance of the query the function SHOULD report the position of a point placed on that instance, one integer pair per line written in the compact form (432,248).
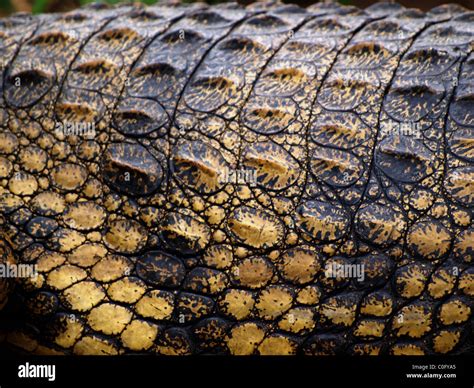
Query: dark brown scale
(40,227)
(53,47)
(21,216)
(184,234)
(271,180)
(100,71)
(350,100)
(191,307)
(377,271)
(164,67)
(199,166)
(206,281)
(278,111)
(404,159)
(130,168)
(42,304)
(160,269)
(211,334)
(15,30)
(322,221)
(234,66)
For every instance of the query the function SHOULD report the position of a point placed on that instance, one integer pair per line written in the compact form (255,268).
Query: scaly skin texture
(121,133)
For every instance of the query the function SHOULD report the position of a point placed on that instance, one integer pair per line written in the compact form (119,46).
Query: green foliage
(39,6)
(5,6)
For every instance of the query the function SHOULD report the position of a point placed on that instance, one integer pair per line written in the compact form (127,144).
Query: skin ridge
(221,271)
(462,60)
(84,44)
(259,74)
(17,51)
(196,68)
(201,61)
(327,187)
(130,12)
(156,36)
(387,88)
(459,62)
(377,140)
(323,80)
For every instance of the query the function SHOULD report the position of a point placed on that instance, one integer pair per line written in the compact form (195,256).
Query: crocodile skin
(192,179)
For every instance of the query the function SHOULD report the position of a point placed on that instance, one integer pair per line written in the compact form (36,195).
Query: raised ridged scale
(356,126)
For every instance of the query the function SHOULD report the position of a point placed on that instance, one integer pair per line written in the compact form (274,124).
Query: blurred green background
(38,6)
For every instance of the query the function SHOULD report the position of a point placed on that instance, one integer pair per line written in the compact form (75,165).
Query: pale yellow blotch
(87,255)
(62,277)
(299,266)
(219,236)
(237,303)
(125,236)
(461,217)
(243,339)
(464,244)
(68,239)
(218,256)
(454,311)
(6,167)
(197,204)
(84,216)
(445,341)
(8,143)
(430,240)
(49,202)
(253,272)
(156,304)
(109,318)
(407,350)
(422,200)
(297,320)
(83,296)
(277,346)
(255,228)
(441,284)
(413,321)
(112,203)
(23,184)
(71,331)
(139,335)
(92,189)
(94,346)
(466,283)
(376,307)
(49,261)
(110,268)
(69,176)
(215,215)
(309,295)
(367,349)
(273,302)
(338,314)
(151,216)
(9,201)
(33,159)
(411,281)
(368,328)
(126,290)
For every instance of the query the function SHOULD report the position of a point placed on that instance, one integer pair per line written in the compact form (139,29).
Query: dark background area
(38,6)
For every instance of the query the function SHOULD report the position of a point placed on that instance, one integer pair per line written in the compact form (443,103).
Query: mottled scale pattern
(273,180)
